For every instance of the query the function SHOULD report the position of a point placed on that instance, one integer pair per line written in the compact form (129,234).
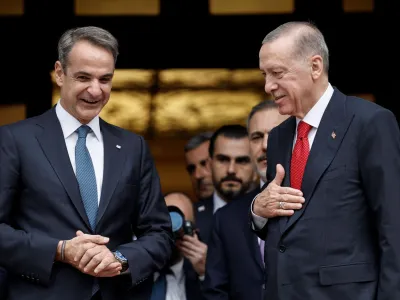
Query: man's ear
(317,67)
(59,73)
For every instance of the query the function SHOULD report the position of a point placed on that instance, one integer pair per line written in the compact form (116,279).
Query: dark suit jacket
(234,269)
(344,243)
(3,283)
(41,204)
(192,282)
(203,213)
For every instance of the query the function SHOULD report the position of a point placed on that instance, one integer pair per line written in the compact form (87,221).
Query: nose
(265,142)
(199,173)
(232,167)
(270,86)
(95,89)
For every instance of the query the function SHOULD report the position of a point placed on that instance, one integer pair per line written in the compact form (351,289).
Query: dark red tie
(299,155)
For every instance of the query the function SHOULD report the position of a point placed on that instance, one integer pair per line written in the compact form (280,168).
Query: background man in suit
(329,212)
(229,147)
(73,189)
(181,280)
(232,174)
(199,169)
(198,165)
(235,267)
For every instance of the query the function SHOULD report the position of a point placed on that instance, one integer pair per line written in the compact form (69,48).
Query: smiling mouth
(279,97)
(90,102)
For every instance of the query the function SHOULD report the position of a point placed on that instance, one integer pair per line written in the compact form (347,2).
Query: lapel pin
(201,208)
(333,135)
(118,146)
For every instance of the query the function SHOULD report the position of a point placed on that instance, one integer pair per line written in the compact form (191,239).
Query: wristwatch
(121,259)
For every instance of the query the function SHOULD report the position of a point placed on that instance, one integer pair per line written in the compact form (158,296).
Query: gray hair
(263,105)
(197,140)
(94,35)
(309,40)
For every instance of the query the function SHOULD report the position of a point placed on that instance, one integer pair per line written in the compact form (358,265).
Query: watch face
(120,256)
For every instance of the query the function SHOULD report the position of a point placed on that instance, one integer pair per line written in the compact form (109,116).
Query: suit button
(263,286)
(282,248)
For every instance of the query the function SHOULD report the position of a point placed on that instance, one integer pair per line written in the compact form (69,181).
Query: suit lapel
(252,240)
(52,142)
(205,213)
(254,246)
(286,137)
(114,158)
(324,148)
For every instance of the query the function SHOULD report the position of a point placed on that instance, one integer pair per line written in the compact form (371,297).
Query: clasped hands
(278,201)
(89,254)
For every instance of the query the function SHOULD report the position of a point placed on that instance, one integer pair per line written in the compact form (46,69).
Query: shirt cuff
(258,222)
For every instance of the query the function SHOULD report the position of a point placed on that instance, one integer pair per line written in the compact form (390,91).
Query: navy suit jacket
(344,243)
(41,205)
(3,283)
(203,213)
(192,282)
(234,268)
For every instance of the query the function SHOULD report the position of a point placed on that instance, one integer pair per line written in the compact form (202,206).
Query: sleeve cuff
(258,222)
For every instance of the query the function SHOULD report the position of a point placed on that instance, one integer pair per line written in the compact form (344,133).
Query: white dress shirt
(313,118)
(176,289)
(262,182)
(218,202)
(94,142)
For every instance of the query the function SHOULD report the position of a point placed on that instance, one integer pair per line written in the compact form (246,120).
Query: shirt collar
(261,183)
(314,116)
(218,202)
(177,270)
(69,124)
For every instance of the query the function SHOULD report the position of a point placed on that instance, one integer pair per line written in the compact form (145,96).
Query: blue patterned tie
(159,290)
(86,176)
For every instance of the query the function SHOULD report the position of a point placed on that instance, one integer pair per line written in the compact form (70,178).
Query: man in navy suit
(330,211)
(74,189)
(235,267)
(232,174)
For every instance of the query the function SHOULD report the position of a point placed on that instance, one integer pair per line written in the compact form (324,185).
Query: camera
(180,226)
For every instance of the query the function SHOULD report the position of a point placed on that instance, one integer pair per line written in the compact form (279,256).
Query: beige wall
(152,7)
(12,113)
(11,7)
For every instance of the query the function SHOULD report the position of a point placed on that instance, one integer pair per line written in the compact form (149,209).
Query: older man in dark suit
(330,211)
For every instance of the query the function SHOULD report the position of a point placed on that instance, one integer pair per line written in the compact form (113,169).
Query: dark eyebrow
(256,133)
(90,75)
(107,75)
(203,162)
(242,159)
(221,156)
(82,73)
